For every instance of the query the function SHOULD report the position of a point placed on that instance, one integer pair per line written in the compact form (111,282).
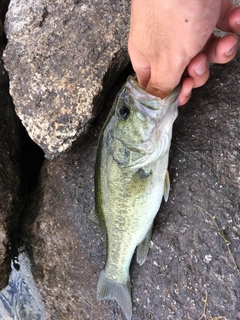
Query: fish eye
(123,112)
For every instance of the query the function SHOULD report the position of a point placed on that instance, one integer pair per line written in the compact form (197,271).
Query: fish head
(133,124)
(143,122)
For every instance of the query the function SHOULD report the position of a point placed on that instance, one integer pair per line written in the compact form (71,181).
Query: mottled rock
(196,239)
(62,56)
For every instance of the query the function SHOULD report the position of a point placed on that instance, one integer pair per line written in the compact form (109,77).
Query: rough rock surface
(10,163)
(196,240)
(60,55)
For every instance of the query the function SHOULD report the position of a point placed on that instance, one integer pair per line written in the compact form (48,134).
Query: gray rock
(10,174)
(61,57)
(196,239)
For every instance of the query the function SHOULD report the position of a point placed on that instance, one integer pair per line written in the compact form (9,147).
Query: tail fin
(107,289)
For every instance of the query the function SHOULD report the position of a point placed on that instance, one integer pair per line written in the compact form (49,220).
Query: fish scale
(131,178)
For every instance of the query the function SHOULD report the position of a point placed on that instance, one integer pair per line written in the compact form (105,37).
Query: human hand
(172,40)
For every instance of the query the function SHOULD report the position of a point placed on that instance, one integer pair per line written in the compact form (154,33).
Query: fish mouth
(147,103)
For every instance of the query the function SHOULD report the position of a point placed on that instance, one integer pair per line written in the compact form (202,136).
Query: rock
(9,168)
(17,155)
(10,174)
(195,244)
(62,56)
(66,249)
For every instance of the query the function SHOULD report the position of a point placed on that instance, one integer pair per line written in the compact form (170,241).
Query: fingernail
(231,51)
(201,68)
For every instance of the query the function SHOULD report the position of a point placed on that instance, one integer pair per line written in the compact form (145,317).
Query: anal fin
(143,247)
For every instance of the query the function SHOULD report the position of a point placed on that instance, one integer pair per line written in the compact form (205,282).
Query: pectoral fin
(166,186)
(138,184)
(143,247)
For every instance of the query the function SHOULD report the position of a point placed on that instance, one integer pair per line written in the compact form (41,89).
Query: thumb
(159,79)
(143,75)
(140,64)
(158,88)
(153,84)
(156,78)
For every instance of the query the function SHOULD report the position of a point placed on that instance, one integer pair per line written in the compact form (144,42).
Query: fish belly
(129,210)
(127,203)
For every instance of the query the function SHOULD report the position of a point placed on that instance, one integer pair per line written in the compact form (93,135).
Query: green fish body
(131,178)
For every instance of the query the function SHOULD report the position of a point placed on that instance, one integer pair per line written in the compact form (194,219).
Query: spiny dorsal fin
(93,216)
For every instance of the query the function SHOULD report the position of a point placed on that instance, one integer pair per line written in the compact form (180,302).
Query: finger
(197,76)
(186,91)
(198,70)
(221,50)
(234,20)
(229,19)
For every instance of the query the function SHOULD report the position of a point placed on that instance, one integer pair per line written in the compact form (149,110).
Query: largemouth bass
(131,178)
